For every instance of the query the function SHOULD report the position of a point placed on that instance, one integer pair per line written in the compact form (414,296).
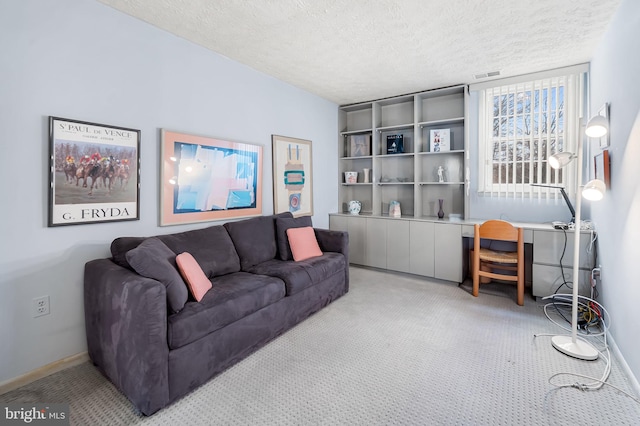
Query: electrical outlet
(41,306)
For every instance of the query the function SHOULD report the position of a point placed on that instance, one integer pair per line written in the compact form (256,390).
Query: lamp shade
(594,190)
(597,127)
(560,159)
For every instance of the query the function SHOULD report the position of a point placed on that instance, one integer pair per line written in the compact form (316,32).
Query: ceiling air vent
(486,75)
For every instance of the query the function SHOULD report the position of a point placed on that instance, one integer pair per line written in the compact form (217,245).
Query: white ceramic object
(354,207)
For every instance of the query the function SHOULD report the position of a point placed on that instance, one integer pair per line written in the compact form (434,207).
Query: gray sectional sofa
(154,354)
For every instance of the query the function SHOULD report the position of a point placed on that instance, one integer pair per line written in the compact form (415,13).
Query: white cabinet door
(376,246)
(357,240)
(421,248)
(448,251)
(338,223)
(398,250)
(356,226)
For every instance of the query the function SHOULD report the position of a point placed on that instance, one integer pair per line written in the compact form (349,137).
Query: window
(523,123)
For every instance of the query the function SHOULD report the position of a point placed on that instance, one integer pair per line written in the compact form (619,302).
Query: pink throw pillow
(303,243)
(192,273)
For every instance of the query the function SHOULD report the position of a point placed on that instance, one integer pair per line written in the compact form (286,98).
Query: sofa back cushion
(255,239)
(211,247)
(153,259)
(284,223)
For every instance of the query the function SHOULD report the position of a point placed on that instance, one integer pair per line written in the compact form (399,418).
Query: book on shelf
(440,140)
(359,145)
(395,144)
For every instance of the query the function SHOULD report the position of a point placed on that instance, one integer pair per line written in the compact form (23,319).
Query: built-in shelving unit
(410,177)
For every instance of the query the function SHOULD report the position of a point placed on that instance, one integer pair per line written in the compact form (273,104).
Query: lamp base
(580,349)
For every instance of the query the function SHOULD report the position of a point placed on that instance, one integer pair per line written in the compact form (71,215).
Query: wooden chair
(486,261)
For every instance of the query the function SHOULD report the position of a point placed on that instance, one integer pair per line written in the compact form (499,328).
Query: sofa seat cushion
(298,276)
(231,298)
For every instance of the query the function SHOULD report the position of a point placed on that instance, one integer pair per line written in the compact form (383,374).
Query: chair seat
(498,256)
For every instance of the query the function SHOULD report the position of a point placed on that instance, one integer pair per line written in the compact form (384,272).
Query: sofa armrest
(330,240)
(126,326)
(335,241)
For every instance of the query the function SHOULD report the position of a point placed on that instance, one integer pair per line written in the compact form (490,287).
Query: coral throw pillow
(192,273)
(303,243)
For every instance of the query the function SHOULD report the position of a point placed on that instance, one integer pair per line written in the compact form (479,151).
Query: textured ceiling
(349,51)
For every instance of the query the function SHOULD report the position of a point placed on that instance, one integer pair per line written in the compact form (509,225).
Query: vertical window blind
(521,124)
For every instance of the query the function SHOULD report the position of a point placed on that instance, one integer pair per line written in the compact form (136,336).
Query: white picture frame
(440,140)
(292,176)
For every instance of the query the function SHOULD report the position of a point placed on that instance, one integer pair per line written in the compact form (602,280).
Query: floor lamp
(594,190)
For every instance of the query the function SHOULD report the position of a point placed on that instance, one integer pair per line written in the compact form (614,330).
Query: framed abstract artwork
(205,179)
(94,173)
(292,176)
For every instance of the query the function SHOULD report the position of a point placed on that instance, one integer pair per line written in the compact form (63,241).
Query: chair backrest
(497,230)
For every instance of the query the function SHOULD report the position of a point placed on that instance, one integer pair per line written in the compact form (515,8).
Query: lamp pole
(574,346)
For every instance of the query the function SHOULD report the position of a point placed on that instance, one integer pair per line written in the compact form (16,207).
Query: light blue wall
(82,60)
(615,78)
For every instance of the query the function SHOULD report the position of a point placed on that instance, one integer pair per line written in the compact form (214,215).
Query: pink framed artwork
(205,179)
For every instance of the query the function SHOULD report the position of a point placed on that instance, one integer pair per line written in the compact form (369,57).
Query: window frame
(574,80)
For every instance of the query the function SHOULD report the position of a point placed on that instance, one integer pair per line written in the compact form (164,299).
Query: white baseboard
(623,363)
(44,371)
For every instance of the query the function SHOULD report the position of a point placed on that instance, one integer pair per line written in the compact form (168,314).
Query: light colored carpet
(396,350)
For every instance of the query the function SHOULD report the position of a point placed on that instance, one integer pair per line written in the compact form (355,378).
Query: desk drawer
(548,245)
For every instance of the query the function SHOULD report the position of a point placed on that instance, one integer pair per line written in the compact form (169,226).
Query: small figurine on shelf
(440,174)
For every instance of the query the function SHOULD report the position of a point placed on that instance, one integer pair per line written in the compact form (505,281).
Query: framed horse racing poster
(292,176)
(94,172)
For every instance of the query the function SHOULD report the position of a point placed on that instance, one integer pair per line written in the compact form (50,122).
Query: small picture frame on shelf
(395,144)
(359,145)
(440,140)
(394,209)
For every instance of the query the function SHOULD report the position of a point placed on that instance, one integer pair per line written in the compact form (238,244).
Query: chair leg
(521,289)
(476,281)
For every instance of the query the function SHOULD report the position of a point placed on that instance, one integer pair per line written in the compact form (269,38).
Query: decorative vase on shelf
(366,173)
(354,207)
(440,212)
